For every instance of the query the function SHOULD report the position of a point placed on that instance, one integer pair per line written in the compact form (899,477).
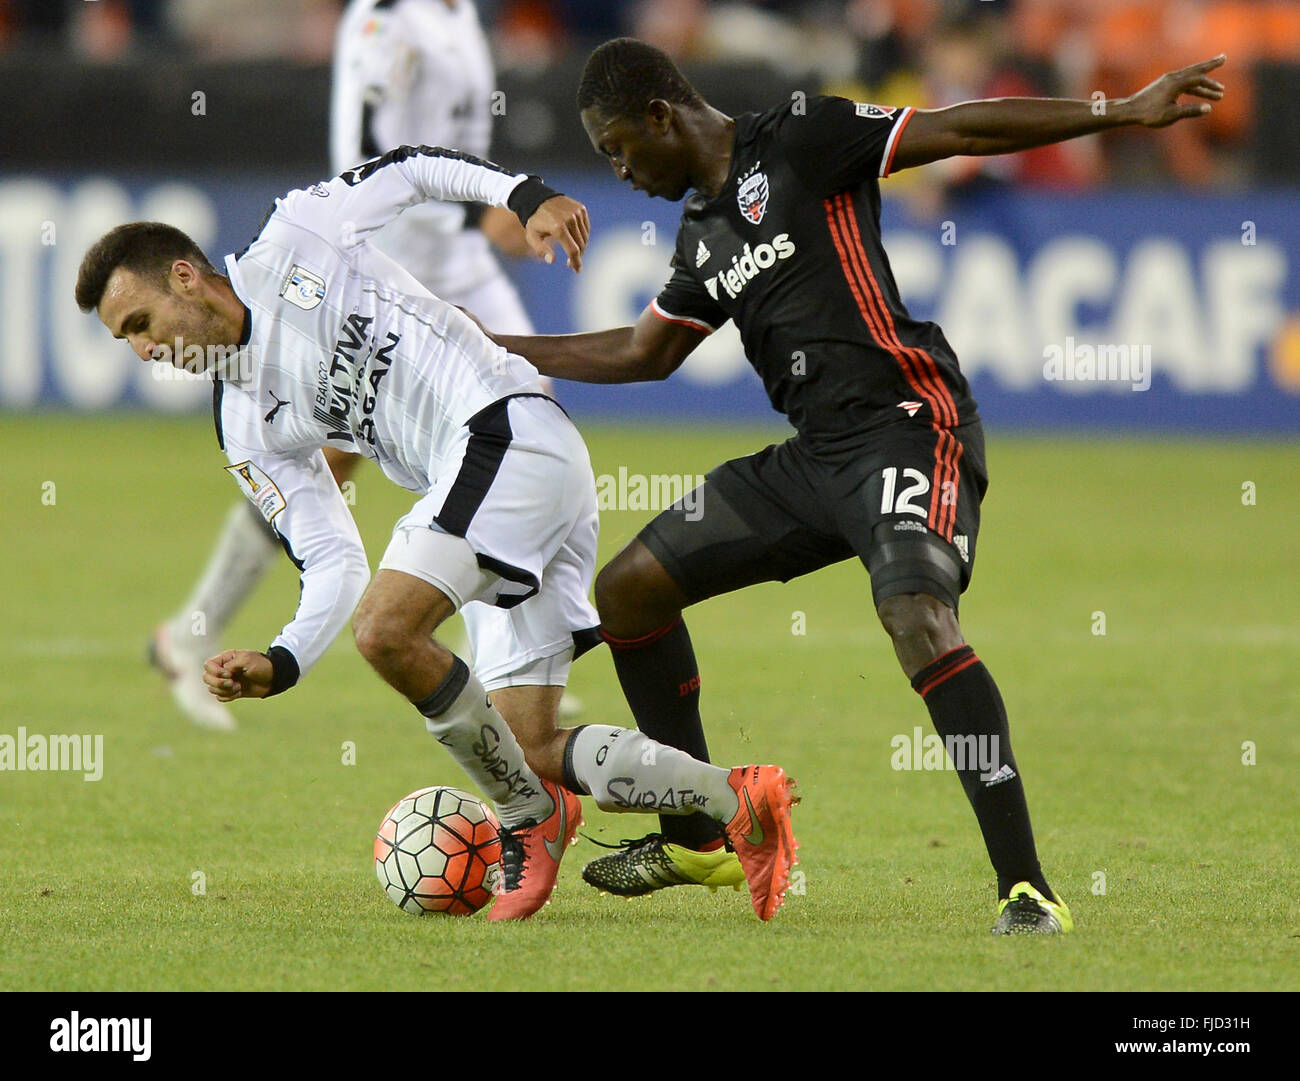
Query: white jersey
(417,72)
(345,348)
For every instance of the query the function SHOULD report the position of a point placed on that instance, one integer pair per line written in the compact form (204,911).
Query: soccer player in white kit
(316,338)
(415,72)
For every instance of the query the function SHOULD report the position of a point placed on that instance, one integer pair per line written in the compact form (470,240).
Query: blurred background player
(415,72)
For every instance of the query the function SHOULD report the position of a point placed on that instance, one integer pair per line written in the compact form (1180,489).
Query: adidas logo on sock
(1005,773)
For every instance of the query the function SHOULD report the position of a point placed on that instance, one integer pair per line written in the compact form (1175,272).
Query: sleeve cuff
(528,195)
(284,669)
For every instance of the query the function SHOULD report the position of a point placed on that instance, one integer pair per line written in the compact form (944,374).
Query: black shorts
(905,500)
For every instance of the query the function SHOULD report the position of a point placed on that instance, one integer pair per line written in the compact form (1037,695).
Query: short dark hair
(147,248)
(624,76)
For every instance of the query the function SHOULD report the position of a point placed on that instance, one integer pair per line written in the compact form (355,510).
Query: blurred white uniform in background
(406,72)
(419,72)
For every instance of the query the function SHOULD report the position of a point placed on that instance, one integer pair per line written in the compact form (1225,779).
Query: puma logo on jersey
(749,264)
(270,417)
(701,255)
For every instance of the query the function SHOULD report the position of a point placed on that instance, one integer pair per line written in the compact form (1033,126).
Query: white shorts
(508,532)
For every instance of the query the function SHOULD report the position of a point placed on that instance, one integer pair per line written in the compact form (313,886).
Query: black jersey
(790,249)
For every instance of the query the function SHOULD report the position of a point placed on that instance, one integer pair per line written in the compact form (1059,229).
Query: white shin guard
(481,742)
(627,771)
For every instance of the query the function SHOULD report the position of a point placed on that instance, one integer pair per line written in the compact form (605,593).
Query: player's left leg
(411,595)
(476,282)
(755,519)
(920,555)
(523,650)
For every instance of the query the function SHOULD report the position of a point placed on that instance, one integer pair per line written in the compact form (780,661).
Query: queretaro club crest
(752,195)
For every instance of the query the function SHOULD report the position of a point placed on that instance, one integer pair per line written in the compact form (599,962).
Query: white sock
(459,715)
(625,770)
(244,549)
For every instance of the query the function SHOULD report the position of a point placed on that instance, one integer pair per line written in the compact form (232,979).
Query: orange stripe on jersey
(851,277)
(917,366)
(947,449)
(881,324)
(948,414)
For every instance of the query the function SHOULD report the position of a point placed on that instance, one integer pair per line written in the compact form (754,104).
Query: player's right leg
(918,572)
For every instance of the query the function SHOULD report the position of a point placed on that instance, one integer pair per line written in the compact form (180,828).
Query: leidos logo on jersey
(752,194)
(749,264)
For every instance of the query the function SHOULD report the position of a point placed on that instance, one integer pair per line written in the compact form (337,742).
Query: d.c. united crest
(752,195)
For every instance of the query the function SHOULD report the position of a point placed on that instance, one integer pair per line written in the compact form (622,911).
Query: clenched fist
(238,673)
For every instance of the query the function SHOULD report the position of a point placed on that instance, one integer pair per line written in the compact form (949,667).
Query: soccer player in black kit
(782,235)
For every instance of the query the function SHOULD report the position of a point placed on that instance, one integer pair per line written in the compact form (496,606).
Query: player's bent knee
(380,638)
(634,593)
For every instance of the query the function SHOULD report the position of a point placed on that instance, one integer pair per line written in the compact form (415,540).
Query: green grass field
(1131,745)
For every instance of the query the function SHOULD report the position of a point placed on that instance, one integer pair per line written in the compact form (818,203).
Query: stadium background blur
(1179,243)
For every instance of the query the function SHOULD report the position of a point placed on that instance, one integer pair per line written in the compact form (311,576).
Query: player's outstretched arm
(652,349)
(1005,125)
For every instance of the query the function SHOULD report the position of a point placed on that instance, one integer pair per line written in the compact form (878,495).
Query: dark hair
(147,248)
(624,76)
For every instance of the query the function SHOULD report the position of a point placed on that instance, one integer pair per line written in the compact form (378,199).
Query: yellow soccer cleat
(650,863)
(1028,912)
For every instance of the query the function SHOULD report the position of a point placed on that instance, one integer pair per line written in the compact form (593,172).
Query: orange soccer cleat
(530,856)
(762,835)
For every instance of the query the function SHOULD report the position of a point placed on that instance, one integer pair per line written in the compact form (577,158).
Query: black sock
(964,701)
(661,682)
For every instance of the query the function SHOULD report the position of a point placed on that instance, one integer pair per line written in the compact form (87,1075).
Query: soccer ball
(438,850)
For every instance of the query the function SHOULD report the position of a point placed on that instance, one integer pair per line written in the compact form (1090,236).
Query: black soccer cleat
(650,863)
